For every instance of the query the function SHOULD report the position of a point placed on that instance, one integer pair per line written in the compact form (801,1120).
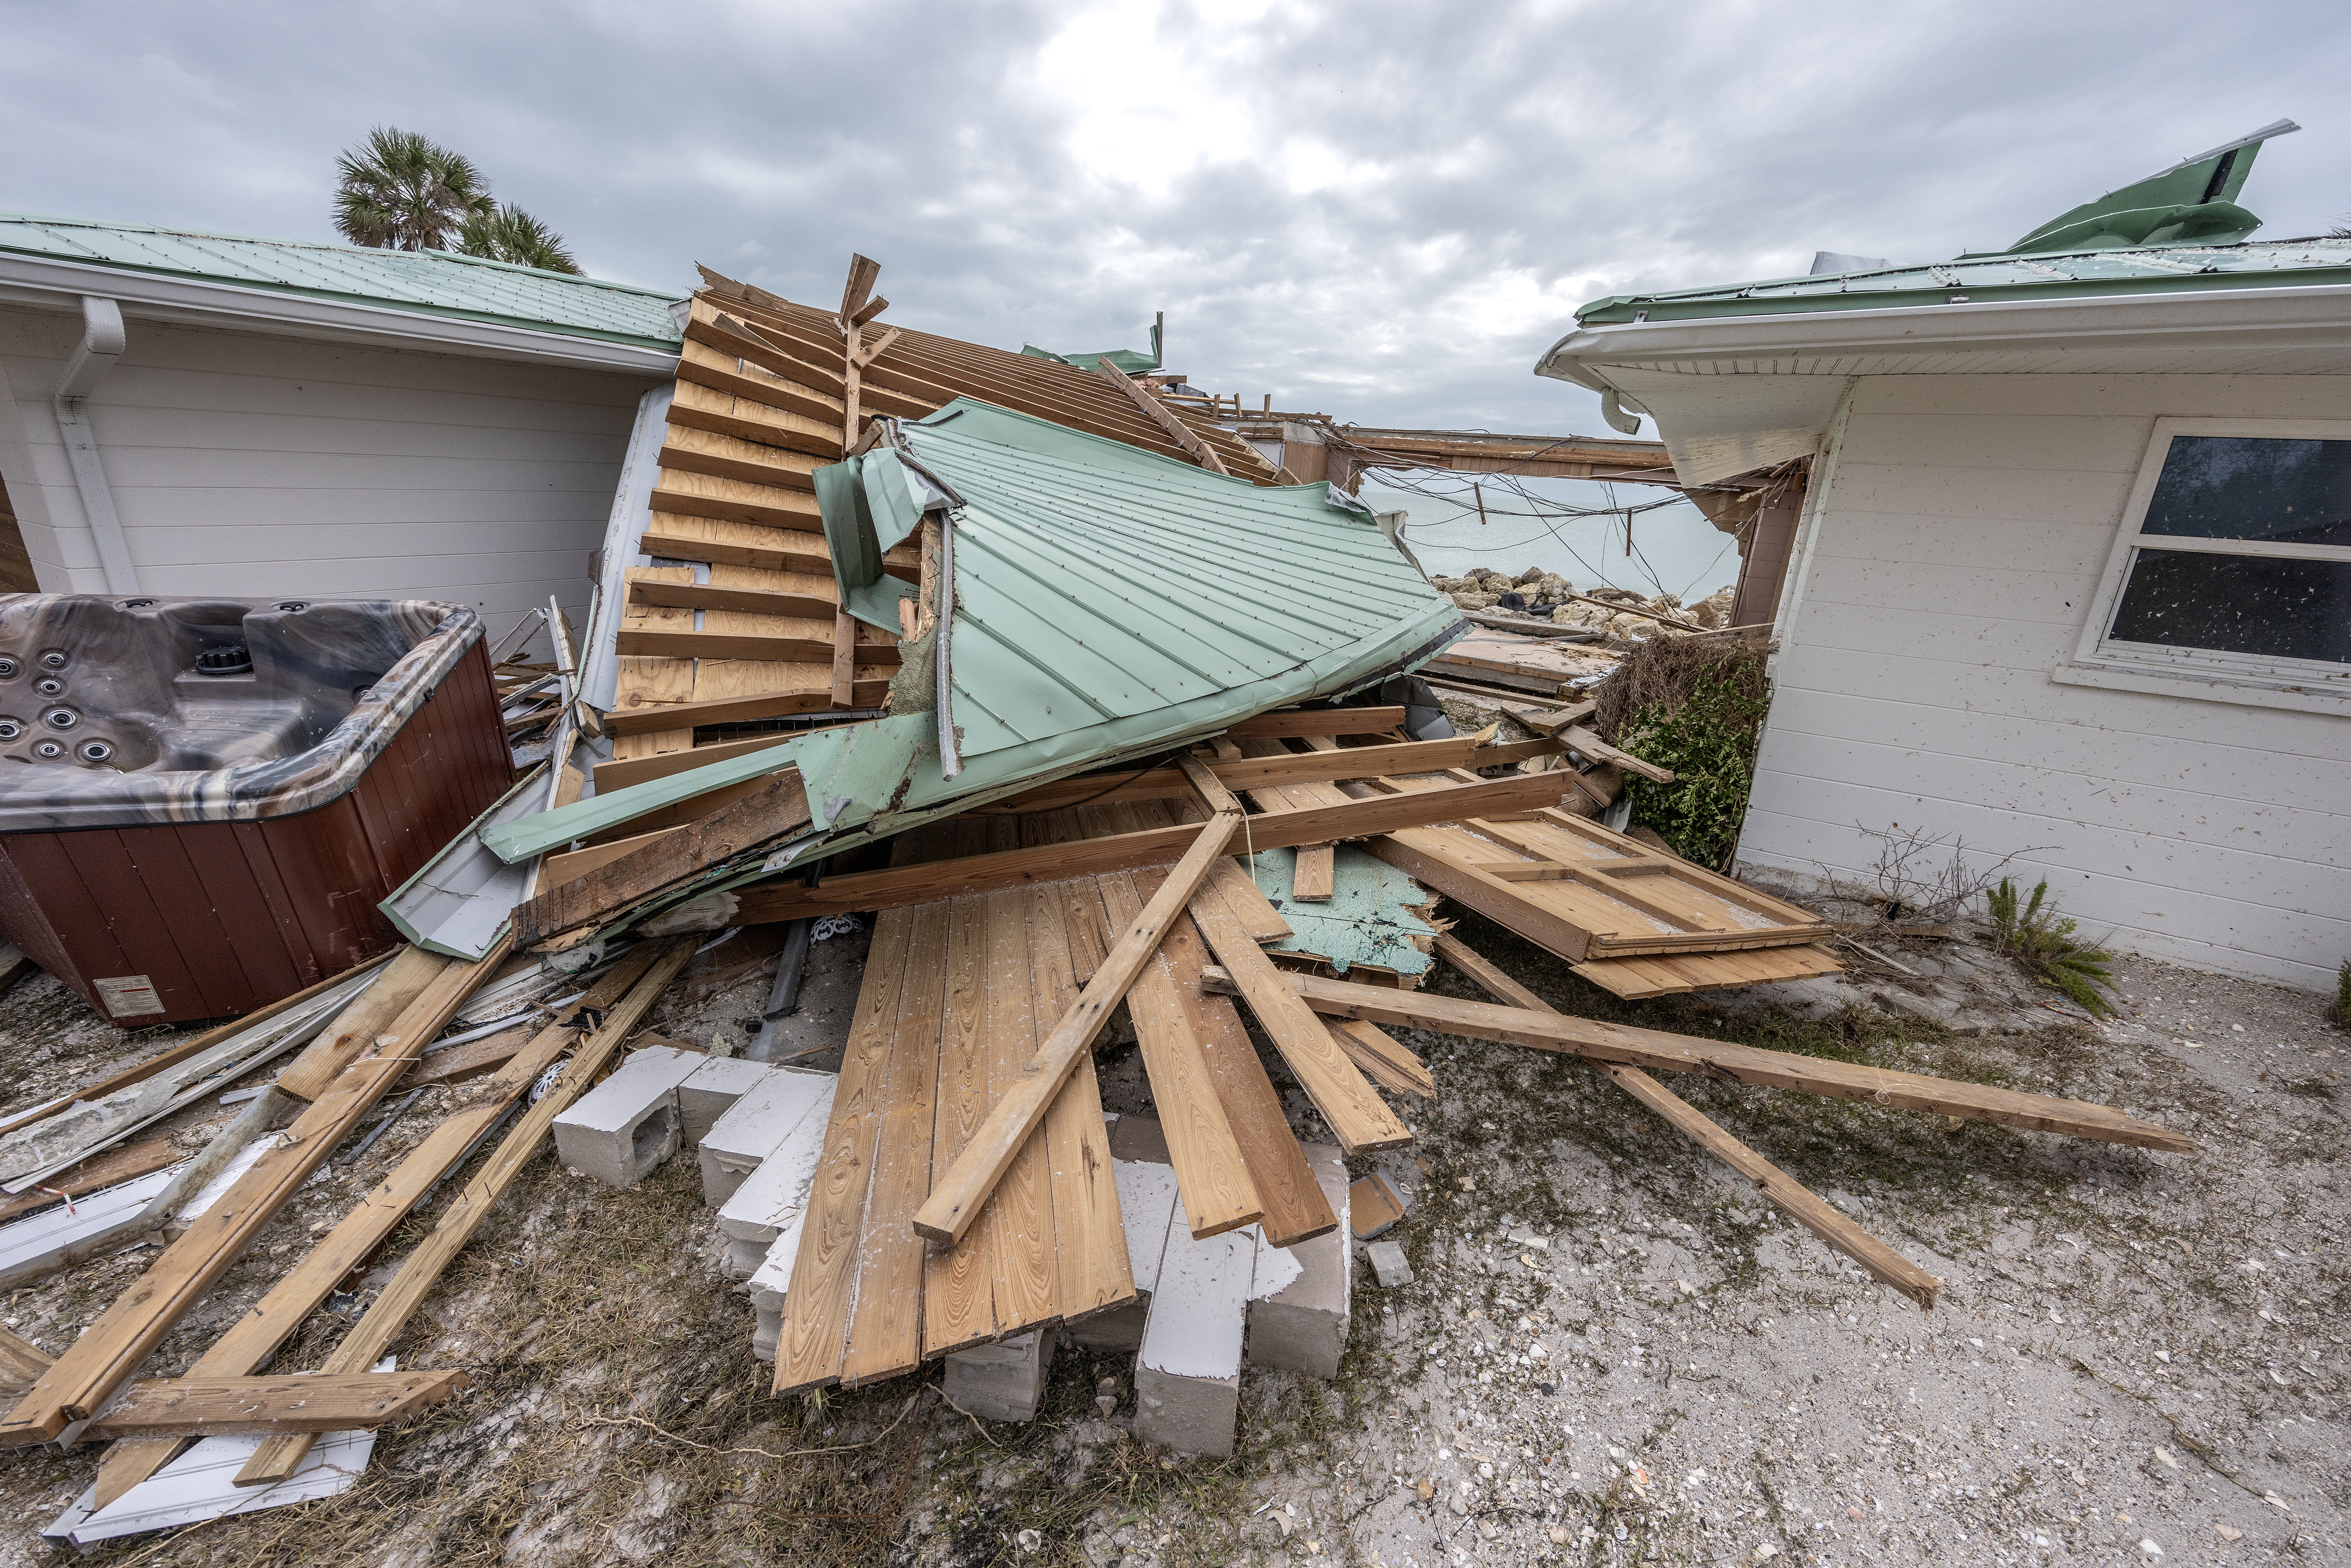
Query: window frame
(2095,650)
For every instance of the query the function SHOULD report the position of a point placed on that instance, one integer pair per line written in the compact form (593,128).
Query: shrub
(2042,942)
(2341,1011)
(1709,740)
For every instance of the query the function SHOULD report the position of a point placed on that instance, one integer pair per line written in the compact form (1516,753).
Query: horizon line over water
(1676,549)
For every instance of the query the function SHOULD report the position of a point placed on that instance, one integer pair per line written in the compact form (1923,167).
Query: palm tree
(509,234)
(401,190)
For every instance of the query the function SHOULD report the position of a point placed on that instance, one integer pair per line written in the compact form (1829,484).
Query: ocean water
(1674,549)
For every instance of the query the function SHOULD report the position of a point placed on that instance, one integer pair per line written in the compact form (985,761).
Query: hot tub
(203,801)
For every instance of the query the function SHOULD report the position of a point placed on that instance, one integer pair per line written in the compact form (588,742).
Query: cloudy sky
(1381,211)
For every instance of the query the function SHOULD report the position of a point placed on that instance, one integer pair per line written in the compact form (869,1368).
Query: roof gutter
(102,342)
(56,284)
(2314,316)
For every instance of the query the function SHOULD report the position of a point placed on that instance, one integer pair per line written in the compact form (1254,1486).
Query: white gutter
(2235,318)
(102,342)
(45,281)
(632,506)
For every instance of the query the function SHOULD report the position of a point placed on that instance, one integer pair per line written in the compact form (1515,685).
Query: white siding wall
(1957,539)
(254,466)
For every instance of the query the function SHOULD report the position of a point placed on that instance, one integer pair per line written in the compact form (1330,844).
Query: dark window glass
(2238,604)
(2254,488)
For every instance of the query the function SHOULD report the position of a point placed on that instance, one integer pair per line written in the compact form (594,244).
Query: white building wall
(1944,571)
(250,466)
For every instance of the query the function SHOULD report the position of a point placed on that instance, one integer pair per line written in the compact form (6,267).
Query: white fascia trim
(61,285)
(2315,317)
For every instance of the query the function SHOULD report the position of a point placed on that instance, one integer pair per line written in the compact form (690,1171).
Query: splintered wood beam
(1801,1205)
(1313,877)
(370,1336)
(766,649)
(1213,791)
(1199,451)
(844,656)
(1245,773)
(21,1362)
(958,1195)
(653,719)
(1659,1050)
(111,1349)
(864,273)
(750,600)
(898,886)
(1353,1110)
(1599,750)
(1318,721)
(173,1407)
(779,806)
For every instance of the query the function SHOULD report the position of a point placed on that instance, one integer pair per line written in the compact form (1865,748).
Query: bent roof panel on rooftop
(428,283)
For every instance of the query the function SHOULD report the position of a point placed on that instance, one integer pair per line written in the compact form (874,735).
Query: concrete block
(712,1091)
(769,1284)
(1187,1375)
(1004,1381)
(1298,1314)
(767,1206)
(1146,1196)
(752,1127)
(620,1131)
(1389,1266)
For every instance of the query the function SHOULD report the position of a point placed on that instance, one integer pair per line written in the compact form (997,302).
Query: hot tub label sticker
(129,995)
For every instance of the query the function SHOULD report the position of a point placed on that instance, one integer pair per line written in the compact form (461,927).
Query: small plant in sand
(2339,1015)
(2042,942)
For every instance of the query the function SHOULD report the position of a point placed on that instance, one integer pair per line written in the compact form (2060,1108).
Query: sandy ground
(1613,1352)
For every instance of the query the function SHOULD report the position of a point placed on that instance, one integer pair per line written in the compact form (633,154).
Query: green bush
(2341,1011)
(2042,942)
(1709,743)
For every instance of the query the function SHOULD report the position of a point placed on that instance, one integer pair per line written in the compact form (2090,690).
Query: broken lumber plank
(747,601)
(1211,1171)
(128,1163)
(396,985)
(1314,876)
(185,1051)
(1659,1050)
(792,551)
(1023,1277)
(897,886)
(959,1192)
(652,719)
(1199,451)
(885,1331)
(745,645)
(779,806)
(1591,745)
(111,1348)
(1799,1203)
(1294,1208)
(622,772)
(1355,1114)
(1384,1058)
(21,1362)
(1319,721)
(370,1336)
(1248,773)
(844,656)
(174,1408)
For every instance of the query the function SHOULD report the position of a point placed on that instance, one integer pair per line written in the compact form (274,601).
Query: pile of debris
(1617,613)
(986,677)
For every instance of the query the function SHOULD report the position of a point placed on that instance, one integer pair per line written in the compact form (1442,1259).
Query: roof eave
(164,296)
(2319,314)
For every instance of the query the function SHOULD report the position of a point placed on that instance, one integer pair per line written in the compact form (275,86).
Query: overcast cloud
(1381,211)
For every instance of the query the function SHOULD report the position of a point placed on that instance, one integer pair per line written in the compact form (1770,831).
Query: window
(2234,562)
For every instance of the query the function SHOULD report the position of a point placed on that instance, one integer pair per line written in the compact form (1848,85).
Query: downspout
(102,342)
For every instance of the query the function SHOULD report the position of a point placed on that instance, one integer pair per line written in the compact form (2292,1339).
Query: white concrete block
(1389,1265)
(620,1131)
(712,1091)
(1301,1296)
(1146,1196)
(1187,1375)
(752,1127)
(1004,1381)
(767,1206)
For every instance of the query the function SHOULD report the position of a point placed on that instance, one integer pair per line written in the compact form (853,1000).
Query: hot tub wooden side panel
(224,917)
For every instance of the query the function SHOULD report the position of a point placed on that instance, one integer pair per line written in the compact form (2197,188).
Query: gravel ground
(1614,1353)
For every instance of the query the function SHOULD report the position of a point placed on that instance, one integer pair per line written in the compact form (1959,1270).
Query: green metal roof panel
(1096,582)
(2160,269)
(427,283)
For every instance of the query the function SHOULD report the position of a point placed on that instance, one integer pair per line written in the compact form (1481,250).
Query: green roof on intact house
(2178,231)
(425,283)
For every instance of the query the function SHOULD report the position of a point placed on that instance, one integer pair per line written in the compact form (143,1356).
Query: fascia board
(2318,317)
(61,285)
